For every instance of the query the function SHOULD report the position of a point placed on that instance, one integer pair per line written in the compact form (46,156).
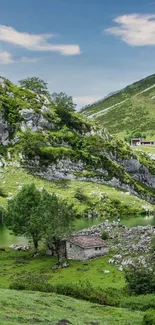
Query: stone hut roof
(86,241)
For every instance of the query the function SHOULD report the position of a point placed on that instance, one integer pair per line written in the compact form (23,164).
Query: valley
(61,173)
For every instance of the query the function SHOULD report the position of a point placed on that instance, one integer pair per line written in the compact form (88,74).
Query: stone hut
(85,247)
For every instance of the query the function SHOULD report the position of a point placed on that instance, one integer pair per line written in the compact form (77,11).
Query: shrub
(140,281)
(104,235)
(149,318)
(141,302)
(79,195)
(81,290)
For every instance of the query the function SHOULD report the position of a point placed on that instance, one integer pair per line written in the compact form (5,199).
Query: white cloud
(36,42)
(135,29)
(6,58)
(85,100)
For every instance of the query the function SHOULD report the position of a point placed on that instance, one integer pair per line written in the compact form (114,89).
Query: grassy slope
(18,308)
(14,265)
(147,149)
(137,112)
(14,177)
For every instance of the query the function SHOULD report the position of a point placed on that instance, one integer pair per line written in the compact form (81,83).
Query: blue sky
(86,48)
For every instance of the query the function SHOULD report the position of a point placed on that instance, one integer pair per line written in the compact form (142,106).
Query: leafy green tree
(23,216)
(62,101)
(35,84)
(134,135)
(58,219)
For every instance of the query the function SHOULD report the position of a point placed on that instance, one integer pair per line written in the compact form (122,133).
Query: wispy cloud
(135,29)
(36,42)
(6,58)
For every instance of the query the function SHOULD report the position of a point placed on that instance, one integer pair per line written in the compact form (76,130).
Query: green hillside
(45,138)
(130,109)
(18,308)
(114,201)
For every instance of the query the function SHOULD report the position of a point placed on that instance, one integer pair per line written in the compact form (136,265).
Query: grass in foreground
(18,308)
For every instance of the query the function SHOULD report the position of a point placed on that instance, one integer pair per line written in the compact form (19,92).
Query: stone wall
(95,252)
(75,252)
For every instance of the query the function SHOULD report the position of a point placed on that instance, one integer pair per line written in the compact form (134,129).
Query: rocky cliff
(55,142)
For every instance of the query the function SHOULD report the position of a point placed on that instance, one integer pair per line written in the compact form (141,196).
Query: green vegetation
(149,318)
(130,110)
(134,135)
(144,148)
(63,136)
(20,265)
(56,133)
(36,85)
(43,309)
(37,215)
(99,200)
(140,281)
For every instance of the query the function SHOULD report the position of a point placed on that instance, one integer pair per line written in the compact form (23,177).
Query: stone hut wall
(95,252)
(75,252)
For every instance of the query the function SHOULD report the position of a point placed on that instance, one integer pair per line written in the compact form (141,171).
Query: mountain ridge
(127,110)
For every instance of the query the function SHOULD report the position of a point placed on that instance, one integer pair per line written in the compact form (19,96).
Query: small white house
(85,247)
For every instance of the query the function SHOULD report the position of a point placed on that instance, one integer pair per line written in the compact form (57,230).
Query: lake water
(7,239)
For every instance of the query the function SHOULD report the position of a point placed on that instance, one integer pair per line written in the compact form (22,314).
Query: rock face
(35,122)
(4,131)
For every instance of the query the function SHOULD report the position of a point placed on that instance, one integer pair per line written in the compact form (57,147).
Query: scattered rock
(20,247)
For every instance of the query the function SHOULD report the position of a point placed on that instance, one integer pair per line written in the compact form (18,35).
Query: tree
(23,216)
(58,218)
(35,84)
(134,135)
(61,100)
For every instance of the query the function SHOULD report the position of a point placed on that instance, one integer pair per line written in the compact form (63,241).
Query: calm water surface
(7,239)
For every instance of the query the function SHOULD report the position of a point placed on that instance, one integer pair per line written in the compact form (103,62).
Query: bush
(140,281)
(79,195)
(104,235)
(141,302)
(81,290)
(149,318)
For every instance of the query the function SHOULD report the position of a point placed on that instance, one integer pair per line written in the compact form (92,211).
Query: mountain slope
(54,142)
(130,109)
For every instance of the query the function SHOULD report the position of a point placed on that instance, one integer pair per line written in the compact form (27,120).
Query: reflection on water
(6,239)
(86,223)
(139,221)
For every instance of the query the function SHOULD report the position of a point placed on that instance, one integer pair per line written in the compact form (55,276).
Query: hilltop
(46,138)
(130,109)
